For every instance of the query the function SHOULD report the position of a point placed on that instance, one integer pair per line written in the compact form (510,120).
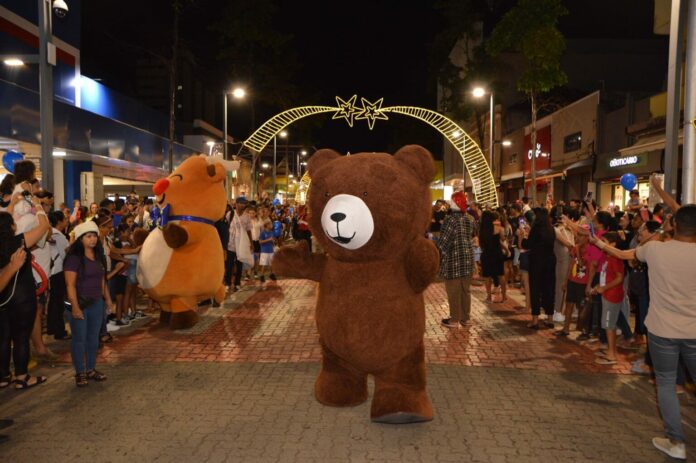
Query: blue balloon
(276,202)
(629,181)
(10,158)
(277,229)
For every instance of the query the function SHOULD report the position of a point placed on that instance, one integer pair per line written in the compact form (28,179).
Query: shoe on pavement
(449,323)
(273,277)
(583,337)
(111,327)
(605,361)
(558,317)
(122,322)
(262,279)
(673,450)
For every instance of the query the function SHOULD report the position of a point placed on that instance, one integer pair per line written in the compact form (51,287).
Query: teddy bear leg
(400,395)
(165,313)
(183,314)
(338,384)
(220,294)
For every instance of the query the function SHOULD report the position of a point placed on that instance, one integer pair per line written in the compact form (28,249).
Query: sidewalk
(239,387)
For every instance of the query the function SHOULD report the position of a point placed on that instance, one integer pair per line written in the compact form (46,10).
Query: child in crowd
(266,244)
(612,291)
(119,275)
(130,299)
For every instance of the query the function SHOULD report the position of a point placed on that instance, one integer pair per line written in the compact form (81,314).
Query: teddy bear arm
(175,236)
(298,262)
(422,264)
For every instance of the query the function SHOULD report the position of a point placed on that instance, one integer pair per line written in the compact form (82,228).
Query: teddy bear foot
(395,405)
(340,390)
(165,317)
(183,320)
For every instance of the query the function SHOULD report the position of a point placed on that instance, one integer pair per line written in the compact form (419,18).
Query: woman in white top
(565,241)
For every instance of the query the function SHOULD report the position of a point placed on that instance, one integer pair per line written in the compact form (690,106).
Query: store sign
(542,151)
(628,161)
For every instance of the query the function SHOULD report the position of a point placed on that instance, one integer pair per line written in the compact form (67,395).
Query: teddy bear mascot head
(370,213)
(182,261)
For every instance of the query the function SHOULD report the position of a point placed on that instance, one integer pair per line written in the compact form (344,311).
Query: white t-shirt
(58,251)
(672,284)
(256,226)
(239,224)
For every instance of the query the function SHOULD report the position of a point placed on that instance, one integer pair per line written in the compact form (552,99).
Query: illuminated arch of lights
(474,160)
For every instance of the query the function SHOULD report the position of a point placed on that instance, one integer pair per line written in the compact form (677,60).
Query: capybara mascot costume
(182,261)
(370,213)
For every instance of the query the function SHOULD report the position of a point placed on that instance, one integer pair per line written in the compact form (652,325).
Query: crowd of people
(575,261)
(76,267)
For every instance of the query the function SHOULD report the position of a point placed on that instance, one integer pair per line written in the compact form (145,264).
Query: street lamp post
(480,92)
(282,134)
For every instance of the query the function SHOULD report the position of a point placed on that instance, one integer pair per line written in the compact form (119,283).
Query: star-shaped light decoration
(347,109)
(371,112)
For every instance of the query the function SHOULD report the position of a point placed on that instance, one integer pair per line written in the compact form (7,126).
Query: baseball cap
(241,200)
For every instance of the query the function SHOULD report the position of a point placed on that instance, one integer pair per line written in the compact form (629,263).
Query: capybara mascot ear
(370,213)
(182,260)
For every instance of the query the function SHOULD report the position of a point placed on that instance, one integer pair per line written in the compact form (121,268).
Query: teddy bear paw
(398,405)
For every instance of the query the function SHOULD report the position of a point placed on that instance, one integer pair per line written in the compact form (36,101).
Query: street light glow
(304,163)
(303,152)
(507,143)
(291,176)
(13,62)
(239,93)
(478,92)
(283,134)
(210,143)
(264,165)
(456,134)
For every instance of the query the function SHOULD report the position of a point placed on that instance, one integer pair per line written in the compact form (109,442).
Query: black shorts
(257,247)
(117,285)
(576,293)
(524,262)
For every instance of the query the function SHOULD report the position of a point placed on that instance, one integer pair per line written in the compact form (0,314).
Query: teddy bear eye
(327,194)
(364,193)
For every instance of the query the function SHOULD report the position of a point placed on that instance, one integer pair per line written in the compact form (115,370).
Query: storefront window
(572,142)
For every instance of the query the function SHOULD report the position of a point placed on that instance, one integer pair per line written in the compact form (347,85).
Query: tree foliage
(530,28)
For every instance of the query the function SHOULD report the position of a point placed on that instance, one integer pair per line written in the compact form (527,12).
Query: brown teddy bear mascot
(182,261)
(370,213)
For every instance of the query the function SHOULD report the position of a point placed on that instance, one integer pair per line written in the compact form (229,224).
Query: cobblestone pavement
(238,387)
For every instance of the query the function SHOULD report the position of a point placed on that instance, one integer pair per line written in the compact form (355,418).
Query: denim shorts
(610,314)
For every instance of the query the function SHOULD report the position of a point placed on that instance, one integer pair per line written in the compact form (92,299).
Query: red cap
(459,199)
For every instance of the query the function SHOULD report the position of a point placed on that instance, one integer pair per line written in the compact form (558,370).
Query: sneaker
(111,317)
(111,327)
(139,314)
(128,318)
(273,277)
(122,322)
(449,323)
(673,450)
(558,317)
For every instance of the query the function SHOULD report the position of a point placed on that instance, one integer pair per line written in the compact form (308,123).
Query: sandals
(94,375)
(25,383)
(81,380)
(605,361)
(5,381)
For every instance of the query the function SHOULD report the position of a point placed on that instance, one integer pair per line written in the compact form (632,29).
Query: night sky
(372,48)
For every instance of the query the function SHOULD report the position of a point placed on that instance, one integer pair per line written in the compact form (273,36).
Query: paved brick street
(238,387)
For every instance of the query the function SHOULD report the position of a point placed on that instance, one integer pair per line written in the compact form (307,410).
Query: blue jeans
(85,336)
(665,357)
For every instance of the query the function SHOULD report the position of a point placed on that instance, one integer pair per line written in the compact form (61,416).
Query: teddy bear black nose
(337,216)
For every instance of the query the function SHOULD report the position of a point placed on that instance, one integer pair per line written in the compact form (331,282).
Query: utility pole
(47,59)
(689,156)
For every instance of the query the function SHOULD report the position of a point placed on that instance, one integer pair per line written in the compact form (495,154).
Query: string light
(474,159)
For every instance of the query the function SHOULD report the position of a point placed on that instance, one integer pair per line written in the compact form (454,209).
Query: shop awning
(576,165)
(653,143)
(512,176)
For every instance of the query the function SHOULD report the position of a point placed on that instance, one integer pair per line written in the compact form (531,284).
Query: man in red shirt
(611,289)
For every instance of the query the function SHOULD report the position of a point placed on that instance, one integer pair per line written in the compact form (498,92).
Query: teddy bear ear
(320,159)
(419,160)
